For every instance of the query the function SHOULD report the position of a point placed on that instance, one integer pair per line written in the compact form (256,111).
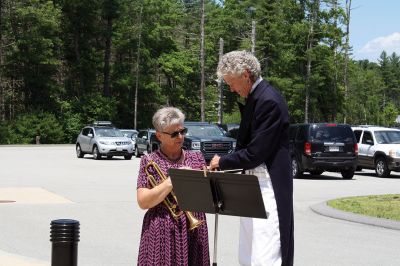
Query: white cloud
(372,49)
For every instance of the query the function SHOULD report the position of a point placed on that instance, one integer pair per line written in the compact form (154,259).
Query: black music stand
(218,193)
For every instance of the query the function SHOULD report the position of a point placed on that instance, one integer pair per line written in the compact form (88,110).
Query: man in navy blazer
(262,150)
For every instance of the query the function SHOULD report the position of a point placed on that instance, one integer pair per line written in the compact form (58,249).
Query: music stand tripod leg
(215,240)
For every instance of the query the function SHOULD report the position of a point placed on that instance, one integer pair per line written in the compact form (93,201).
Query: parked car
(102,138)
(130,133)
(379,149)
(205,137)
(319,147)
(143,141)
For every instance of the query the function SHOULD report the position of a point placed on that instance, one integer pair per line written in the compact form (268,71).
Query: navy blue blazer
(264,138)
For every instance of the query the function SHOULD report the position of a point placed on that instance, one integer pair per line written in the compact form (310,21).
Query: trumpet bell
(193,221)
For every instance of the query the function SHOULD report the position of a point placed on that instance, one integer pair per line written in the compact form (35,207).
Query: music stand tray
(218,193)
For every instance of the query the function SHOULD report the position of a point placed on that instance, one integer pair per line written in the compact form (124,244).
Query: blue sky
(374,26)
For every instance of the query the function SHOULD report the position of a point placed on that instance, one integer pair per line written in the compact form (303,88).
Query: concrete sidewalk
(8,259)
(42,183)
(26,195)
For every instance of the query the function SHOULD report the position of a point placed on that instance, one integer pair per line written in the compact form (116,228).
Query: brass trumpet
(170,201)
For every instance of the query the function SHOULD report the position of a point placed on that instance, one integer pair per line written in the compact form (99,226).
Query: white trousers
(259,239)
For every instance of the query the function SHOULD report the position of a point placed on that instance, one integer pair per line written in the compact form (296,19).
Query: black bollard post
(64,235)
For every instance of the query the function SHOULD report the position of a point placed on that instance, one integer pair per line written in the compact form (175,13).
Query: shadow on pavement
(371,174)
(323,177)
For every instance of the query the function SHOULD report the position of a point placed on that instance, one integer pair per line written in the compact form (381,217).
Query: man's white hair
(236,62)
(167,116)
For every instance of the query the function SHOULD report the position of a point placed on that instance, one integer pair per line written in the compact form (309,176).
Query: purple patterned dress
(164,240)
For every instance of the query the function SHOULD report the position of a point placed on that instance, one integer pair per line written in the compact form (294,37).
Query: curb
(325,210)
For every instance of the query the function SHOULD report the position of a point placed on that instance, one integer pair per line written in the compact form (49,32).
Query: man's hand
(214,164)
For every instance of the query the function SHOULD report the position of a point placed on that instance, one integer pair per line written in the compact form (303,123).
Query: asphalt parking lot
(42,183)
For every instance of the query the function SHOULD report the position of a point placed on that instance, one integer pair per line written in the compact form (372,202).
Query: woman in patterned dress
(166,240)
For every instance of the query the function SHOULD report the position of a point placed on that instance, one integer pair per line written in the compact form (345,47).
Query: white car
(103,139)
(378,148)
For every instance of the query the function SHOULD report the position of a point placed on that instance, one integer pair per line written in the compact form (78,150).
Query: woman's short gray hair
(236,62)
(167,116)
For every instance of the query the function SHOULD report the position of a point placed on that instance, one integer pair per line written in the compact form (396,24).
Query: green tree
(81,49)
(33,57)
(27,127)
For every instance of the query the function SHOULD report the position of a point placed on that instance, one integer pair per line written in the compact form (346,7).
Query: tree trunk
(11,107)
(202,83)
(137,68)
(253,37)
(335,62)
(220,85)
(2,109)
(12,84)
(346,59)
(78,61)
(107,56)
(310,42)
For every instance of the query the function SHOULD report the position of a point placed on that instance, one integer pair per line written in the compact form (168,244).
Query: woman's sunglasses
(176,133)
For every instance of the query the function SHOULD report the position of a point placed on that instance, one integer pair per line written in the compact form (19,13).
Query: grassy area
(381,206)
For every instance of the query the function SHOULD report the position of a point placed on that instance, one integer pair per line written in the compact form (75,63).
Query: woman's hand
(168,184)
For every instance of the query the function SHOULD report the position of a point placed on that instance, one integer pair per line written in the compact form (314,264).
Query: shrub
(26,127)
(4,133)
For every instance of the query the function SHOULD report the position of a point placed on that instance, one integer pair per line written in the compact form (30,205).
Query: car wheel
(128,157)
(137,154)
(79,152)
(319,172)
(347,174)
(96,153)
(381,168)
(359,168)
(296,173)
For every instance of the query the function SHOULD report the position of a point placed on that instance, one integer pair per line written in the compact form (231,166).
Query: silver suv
(103,139)
(378,148)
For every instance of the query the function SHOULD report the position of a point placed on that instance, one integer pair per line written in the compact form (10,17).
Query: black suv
(205,137)
(320,147)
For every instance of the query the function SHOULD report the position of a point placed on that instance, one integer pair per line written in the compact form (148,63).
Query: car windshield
(108,132)
(387,137)
(332,133)
(204,131)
